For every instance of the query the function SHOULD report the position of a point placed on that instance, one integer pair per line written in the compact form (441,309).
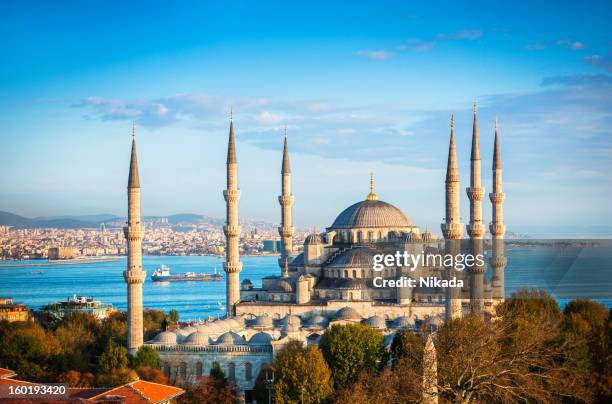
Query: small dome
(263,321)
(347,313)
(180,334)
(165,338)
(203,328)
(230,338)
(376,322)
(197,338)
(261,338)
(318,321)
(313,239)
(236,323)
(403,322)
(291,323)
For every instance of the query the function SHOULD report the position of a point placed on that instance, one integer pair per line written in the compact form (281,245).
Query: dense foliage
(351,348)
(77,347)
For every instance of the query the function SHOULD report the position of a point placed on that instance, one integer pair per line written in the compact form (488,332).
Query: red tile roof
(5,373)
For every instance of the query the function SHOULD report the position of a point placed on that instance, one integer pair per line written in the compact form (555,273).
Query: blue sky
(362,86)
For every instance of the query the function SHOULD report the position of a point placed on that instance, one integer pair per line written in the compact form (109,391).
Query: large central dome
(371,213)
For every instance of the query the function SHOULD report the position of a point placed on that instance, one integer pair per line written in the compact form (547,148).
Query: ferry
(162,274)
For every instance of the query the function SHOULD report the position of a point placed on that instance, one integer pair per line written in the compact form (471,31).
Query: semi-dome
(371,213)
(355,258)
(261,338)
(197,338)
(165,338)
(230,338)
(376,322)
(189,329)
(282,286)
(347,313)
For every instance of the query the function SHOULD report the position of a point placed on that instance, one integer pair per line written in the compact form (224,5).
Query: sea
(565,273)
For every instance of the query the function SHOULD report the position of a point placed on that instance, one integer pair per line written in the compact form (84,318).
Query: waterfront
(565,273)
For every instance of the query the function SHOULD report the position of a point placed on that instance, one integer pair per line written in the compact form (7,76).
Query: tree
(301,375)
(152,375)
(173,316)
(209,390)
(76,379)
(113,358)
(216,371)
(116,377)
(407,345)
(351,348)
(260,392)
(147,357)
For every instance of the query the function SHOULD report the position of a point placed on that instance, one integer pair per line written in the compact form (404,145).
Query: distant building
(82,304)
(61,253)
(11,311)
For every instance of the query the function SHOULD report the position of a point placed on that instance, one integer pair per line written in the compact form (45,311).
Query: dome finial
(133,131)
(372,195)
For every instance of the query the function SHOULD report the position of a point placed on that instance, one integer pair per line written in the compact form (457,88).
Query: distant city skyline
(361,88)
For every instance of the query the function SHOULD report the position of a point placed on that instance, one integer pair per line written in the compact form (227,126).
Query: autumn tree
(209,390)
(351,348)
(301,375)
(152,375)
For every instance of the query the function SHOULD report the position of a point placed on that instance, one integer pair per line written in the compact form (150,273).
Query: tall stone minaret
(286,201)
(452,228)
(232,229)
(476,229)
(497,228)
(134,275)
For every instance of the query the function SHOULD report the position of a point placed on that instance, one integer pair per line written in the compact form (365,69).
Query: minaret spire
(286,229)
(232,228)
(497,228)
(134,275)
(452,228)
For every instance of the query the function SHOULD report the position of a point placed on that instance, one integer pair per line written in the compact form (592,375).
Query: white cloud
(572,44)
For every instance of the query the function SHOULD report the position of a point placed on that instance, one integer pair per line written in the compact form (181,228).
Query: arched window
(354,273)
(248,371)
(359,236)
(346,275)
(199,368)
(231,370)
(183,370)
(167,369)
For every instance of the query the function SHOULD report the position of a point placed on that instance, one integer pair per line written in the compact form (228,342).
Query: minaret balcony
(286,231)
(497,229)
(232,230)
(285,200)
(133,231)
(498,262)
(134,276)
(453,230)
(497,197)
(476,230)
(475,194)
(232,267)
(231,195)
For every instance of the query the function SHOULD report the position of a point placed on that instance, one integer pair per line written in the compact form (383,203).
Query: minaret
(475,191)
(286,201)
(497,227)
(134,275)
(232,229)
(452,228)
(476,229)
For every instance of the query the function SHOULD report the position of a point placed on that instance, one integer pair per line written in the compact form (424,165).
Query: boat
(162,274)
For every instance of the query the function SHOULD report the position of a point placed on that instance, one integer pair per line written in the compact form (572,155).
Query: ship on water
(82,304)
(162,274)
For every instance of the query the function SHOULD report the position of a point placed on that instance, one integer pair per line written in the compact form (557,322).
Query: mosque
(331,281)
